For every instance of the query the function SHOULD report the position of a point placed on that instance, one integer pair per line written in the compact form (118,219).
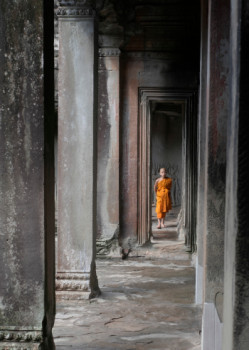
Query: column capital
(76,8)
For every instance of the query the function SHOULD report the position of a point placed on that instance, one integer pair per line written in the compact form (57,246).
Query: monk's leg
(162,219)
(159,218)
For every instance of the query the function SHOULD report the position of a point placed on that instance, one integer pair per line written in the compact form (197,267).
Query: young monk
(163,201)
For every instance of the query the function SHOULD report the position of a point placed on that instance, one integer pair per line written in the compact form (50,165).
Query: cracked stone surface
(147,302)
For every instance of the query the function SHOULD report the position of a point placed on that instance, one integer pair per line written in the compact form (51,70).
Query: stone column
(236,286)
(202,156)
(27,300)
(217,113)
(108,151)
(77,141)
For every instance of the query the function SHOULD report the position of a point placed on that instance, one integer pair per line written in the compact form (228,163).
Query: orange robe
(163,200)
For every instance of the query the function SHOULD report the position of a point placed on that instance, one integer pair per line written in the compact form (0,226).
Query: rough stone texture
(77,158)
(147,303)
(217,112)
(108,151)
(236,297)
(26,181)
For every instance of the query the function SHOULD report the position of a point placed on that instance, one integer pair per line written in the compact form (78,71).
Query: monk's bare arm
(155,186)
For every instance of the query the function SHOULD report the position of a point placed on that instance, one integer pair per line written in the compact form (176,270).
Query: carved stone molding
(20,336)
(75,8)
(72,281)
(109,52)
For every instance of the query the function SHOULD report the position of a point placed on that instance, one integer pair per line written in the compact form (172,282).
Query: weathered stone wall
(26,177)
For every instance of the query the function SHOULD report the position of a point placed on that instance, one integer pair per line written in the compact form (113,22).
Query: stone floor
(147,302)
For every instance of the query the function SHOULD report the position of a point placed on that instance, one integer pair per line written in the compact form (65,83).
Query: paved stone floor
(147,303)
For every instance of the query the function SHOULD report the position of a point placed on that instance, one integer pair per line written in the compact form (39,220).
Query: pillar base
(77,285)
(72,285)
(68,295)
(16,339)
(19,346)
(211,328)
(72,281)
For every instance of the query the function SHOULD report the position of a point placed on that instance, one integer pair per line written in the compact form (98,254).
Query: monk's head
(163,172)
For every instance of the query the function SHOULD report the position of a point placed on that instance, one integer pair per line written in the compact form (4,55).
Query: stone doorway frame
(189,160)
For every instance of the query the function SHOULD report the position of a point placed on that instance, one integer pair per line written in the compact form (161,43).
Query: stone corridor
(147,302)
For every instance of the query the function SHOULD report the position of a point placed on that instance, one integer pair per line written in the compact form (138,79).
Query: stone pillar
(108,151)
(236,286)
(77,141)
(27,302)
(202,155)
(217,112)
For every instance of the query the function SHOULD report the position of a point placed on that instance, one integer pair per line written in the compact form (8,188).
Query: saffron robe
(163,199)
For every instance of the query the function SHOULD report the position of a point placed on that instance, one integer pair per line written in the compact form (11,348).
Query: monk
(163,200)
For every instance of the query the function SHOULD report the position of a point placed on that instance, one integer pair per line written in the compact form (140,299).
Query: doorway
(156,103)
(166,152)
